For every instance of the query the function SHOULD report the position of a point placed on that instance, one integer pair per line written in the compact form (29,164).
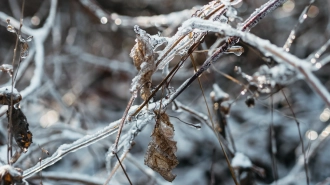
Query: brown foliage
(160,155)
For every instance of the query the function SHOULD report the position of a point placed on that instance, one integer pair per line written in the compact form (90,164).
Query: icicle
(236,50)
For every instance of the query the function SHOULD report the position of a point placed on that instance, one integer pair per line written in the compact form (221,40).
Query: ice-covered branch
(68,148)
(292,176)
(71,177)
(142,21)
(267,48)
(154,21)
(141,120)
(40,36)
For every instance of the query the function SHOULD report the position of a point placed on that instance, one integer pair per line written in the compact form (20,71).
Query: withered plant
(217,67)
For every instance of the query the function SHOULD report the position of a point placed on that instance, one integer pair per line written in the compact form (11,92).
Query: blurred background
(86,74)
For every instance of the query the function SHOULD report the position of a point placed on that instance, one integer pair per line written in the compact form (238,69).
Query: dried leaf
(20,128)
(10,175)
(24,50)
(160,155)
(143,59)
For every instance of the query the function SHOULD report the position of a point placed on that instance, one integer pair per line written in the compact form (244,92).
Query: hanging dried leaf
(24,50)
(160,155)
(20,128)
(143,59)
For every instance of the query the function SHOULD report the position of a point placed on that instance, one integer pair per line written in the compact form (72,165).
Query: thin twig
(273,141)
(123,119)
(213,126)
(300,137)
(123,168)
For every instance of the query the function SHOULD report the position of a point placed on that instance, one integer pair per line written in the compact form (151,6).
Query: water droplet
(35,20)
(104,20)
(318,65)
(243,92)
(29,39)
(197,126)
(317,55)
(236,50)
(311,135)
(11,28)
(325,115)
(313,11)
(288,6)
(175,108)
(118,21)
(238,69)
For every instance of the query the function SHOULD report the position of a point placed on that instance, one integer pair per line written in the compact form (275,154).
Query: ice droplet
(313,60)
(318,65)
(176,108)
(104,20)
(236,50)
(10,28)
(243,92)
(303,15)
(312,135)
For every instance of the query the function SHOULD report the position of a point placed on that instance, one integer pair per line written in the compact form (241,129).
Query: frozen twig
(68,148)
(293,33)
(325,60)
(39,36)
(115,168)
(202,117)
(313,57)
(142,21)
(142,120)
(123,119)
(71,177)
(154,21)
(113,65)
(207,25)
(292,176)
(263,45)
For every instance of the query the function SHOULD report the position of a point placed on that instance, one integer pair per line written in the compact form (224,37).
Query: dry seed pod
(160,155)
(20,128)
(10,27)
(5,95)
(7,68)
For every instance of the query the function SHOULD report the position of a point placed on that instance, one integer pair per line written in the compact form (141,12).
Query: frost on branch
(10,175)
(267,78)
(6,94)
(160,155)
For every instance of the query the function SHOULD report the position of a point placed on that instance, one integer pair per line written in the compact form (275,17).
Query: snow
(241,161)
